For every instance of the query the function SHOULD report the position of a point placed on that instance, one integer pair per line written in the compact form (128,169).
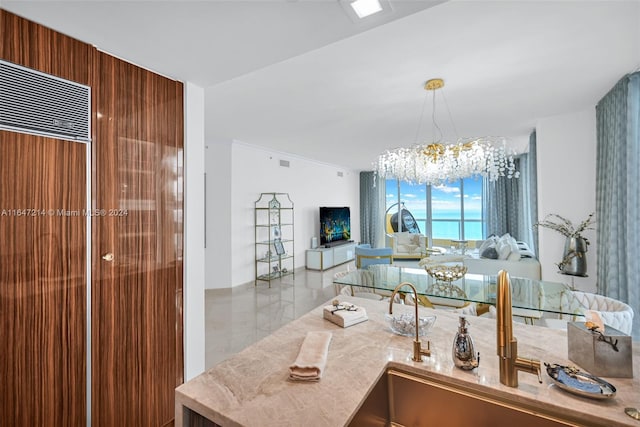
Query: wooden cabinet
(42,281)
(134,344)
(136,352)
(43,261)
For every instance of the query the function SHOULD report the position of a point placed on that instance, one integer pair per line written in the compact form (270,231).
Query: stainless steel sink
(403,399)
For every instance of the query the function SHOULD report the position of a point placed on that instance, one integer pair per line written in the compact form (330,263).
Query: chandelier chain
(435,123)
(419,129)
(453,124)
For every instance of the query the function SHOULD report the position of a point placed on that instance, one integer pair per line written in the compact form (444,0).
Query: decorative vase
(574,259)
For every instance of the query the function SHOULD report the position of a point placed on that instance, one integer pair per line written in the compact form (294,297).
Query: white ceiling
(301,77)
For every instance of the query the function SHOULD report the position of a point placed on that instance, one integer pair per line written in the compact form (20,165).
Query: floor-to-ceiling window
(450,211)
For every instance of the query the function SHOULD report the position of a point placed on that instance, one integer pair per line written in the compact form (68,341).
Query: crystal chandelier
(437,162)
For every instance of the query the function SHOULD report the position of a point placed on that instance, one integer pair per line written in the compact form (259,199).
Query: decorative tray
(570,379)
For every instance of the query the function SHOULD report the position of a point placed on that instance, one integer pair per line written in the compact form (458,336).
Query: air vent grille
(39,103)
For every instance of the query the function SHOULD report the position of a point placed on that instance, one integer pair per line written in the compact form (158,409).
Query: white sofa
(524,267)
(514,257)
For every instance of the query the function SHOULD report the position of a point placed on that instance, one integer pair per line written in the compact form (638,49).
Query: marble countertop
(252,389)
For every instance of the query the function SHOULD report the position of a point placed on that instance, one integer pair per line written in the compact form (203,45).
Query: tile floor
(237,317)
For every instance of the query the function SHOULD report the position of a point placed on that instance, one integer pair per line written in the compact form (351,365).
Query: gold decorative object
(433,84)
(507,345)
(402,324)
(446,290)
(446,273)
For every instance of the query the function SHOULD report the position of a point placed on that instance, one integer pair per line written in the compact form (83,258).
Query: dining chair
(366,256)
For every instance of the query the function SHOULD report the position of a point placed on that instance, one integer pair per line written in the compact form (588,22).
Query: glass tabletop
(530,297)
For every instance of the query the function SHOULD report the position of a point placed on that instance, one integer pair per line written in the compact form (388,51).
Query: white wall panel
(309,184)
(194,260)
(567,187)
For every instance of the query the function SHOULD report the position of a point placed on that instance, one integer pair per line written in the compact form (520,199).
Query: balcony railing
(452,228)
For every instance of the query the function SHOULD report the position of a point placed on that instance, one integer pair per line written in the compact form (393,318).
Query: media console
(324,258)
(337,243)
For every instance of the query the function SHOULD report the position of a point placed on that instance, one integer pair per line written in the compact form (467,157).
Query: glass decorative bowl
(405,324)
(446,273)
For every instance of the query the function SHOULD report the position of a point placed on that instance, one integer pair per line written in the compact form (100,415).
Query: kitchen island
(252,387)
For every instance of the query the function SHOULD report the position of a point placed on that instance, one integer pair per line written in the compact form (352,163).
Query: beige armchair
(407,245)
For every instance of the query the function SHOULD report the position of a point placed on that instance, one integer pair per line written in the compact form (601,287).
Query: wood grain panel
(31,45)
(136,298)
(42,281)
(137,353)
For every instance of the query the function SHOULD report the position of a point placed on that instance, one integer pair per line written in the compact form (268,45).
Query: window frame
(428,221)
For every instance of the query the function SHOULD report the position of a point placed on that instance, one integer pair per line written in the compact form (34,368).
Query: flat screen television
(335,225)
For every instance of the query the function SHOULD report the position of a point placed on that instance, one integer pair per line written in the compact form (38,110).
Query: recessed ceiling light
(364,8)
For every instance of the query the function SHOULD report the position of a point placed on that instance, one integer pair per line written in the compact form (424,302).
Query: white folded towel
(345,314)
(312,357)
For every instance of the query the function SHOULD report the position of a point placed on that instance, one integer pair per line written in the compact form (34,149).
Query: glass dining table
(531,298)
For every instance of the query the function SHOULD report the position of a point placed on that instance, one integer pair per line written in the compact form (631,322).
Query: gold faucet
(417,345)
(510,363)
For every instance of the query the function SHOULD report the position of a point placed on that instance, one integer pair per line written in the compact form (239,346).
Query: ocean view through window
(448,211)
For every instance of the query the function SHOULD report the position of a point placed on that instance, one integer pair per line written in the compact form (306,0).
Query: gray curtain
(511,205)
(617,194)
(529,190)
(502,198)
(371,209)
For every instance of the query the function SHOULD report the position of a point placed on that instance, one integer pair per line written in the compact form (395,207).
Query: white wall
(309,184)
(567,186)
(219,211)
(194,260)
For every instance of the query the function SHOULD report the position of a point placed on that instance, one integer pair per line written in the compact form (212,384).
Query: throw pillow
(490,253)
(403,238)
(503,249)
(515,250)
(506,246)
(525,251)
(488,248)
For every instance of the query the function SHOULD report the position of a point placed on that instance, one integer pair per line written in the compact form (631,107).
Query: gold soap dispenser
(463,352)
